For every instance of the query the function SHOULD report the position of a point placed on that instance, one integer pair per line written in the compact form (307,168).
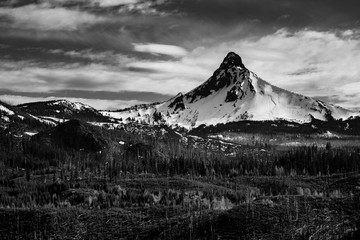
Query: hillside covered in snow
(63,109)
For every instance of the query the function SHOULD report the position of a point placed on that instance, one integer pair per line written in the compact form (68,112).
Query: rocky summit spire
(231,74)
(232,60)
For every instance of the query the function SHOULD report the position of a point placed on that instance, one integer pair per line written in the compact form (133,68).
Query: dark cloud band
(123,95)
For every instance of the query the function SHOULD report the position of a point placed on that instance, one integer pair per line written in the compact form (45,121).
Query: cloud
(349,101)
(148,97)
(179,68)
(109,57)
(51,77)
(123,6)
(284,13)
(170,50)
(99,3)
(303,58)
(350,88)
(95,3)
(36,77)
(307,61)
(110,3)
(43,17)
(3,46)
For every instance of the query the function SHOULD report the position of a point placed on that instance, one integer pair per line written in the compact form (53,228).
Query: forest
(151,185)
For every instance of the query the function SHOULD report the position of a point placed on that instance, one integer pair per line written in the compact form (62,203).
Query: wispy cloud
(94,76)
(90,94)
(43,17)
(110,3)
(304,59)
(170,50)
(109,57)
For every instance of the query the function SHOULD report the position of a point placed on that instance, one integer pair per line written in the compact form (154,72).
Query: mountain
(232,94)
(63,109)
(74,134)
(15,121)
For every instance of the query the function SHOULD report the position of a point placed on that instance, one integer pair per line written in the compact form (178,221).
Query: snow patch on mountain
(76,106)
(6,110)
(46,121)
(329,135)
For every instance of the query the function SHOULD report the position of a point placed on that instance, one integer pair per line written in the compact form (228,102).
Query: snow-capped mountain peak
(232,60)
(232,75)
(234,93)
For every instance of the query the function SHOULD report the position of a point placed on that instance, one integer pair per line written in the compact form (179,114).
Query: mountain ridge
(14,120)
(63,109)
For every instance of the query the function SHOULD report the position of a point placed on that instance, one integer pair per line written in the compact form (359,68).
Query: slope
(74,134)
(15,121)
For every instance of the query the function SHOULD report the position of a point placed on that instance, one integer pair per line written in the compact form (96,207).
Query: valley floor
(179,207)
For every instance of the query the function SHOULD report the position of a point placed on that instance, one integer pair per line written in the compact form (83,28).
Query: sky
(113,54)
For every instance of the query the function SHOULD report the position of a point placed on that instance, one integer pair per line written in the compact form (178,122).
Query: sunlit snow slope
(232,94)
(63,109)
